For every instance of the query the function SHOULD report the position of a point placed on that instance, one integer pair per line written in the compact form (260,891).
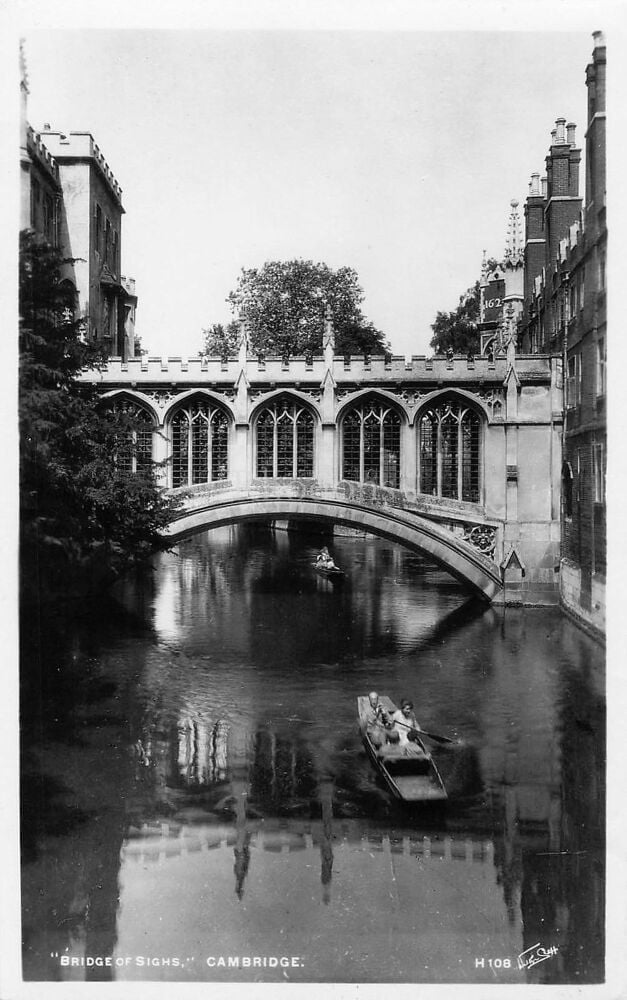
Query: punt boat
(328,570)
(409,771)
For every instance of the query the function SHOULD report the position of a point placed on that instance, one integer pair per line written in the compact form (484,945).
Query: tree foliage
(459,330)
(221,340)
(284,304)
(78,510)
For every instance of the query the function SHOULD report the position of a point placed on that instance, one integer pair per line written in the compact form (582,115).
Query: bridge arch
(463,561)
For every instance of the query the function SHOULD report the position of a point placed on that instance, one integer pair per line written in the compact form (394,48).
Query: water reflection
(235,811)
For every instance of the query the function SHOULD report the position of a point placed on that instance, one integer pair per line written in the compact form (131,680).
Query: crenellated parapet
(395,373)
(40,154)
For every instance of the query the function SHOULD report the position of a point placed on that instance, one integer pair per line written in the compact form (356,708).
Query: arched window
(199,444)
(450,435)
(371,444)
(134,450)
(285,435)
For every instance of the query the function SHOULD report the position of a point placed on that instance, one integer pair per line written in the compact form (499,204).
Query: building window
(199,444)
(567,489)
(98,240)
(285,441)
(107,242)
(598,471)
(371,444)
(450,434)
(601,367)
(35,195)
(582,287)
(134,452)
(573,301)
(48,219)
(602,265)
(573,382)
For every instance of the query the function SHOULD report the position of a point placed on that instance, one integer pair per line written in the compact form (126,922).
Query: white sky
(394,152)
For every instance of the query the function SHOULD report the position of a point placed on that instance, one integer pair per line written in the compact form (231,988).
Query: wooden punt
(328,570)
(409,771)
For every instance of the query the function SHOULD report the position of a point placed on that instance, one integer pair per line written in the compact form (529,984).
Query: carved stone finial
(244,336)
(514,242)
(244,341)
(328,338)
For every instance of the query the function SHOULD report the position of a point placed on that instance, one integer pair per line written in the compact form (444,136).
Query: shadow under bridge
(200,511)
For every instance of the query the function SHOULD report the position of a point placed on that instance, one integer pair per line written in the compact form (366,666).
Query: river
(198,805)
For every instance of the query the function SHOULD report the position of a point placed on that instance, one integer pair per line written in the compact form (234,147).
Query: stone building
(564,314)
(40,184)
(70,198)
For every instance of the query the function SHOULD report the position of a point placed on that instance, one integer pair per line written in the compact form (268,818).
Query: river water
(198,805)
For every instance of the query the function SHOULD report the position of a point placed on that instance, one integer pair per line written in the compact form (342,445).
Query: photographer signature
(532,956)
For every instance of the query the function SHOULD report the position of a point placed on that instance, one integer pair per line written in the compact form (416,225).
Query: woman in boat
(403,721)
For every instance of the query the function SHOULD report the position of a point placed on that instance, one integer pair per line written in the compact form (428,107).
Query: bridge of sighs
(459,458)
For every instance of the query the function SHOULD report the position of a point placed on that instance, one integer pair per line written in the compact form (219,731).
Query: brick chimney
(563,203)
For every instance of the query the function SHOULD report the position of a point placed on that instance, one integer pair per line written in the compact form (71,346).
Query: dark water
(196,792)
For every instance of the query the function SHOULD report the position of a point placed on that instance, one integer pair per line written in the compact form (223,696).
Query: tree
(79,510)
(459,330)
(221,339)
(284,304)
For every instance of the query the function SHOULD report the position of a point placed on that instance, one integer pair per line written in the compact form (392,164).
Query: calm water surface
(196,792)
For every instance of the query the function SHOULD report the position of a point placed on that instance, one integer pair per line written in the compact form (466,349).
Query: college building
(551,286)
(71,199)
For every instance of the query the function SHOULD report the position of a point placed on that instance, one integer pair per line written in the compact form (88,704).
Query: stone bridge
(459,458)
(464,542)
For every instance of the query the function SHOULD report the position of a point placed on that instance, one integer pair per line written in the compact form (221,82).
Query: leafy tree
(80,513)
(221,339)
(284,304)
(459,330)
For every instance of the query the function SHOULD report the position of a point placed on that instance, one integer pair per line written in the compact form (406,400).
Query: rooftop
(81,146)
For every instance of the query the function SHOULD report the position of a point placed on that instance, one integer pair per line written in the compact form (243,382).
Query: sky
(396,153)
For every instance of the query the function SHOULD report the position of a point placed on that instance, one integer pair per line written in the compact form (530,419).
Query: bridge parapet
(392,370)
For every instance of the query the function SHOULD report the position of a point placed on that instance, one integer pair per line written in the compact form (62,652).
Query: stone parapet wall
(396,370)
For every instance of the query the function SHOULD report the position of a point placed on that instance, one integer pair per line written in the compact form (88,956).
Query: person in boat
(377,721)
(325,559)
(404,721)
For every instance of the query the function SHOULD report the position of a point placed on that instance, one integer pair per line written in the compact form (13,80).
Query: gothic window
(285,440)
(199,444)
(450,448)
(134,450)
(371,444)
